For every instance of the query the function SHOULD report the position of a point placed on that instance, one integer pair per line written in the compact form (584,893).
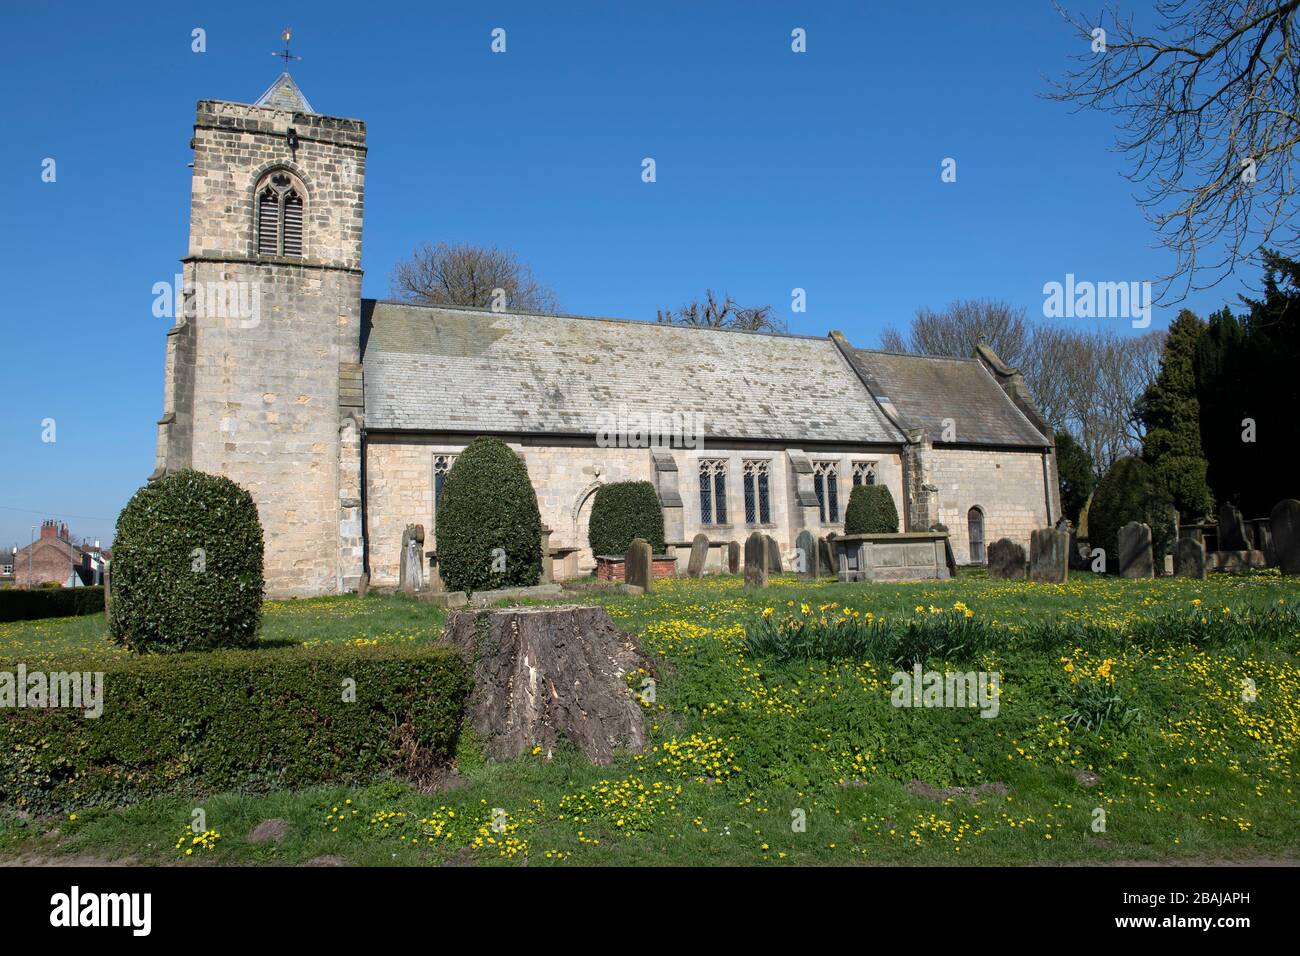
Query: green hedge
(488,503)
(21,604)
(187,566)
(622,511)
(871,510)
(235,720)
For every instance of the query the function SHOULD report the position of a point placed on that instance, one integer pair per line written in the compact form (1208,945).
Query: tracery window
(280,215)
(713,491)
(758,508)
(826,482)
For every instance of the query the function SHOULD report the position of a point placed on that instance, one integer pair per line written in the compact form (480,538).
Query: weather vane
(285,55)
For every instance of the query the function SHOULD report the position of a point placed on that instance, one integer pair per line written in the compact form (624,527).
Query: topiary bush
(871,510)
(1130,491)
(488,531)
(187,566)
(622,511)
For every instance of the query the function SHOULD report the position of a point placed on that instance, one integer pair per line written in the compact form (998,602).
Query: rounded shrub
(1129,491)
(187,566)
(871,510)
(488,531)
(622,511)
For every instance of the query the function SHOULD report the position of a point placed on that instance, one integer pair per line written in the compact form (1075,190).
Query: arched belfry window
(279,215)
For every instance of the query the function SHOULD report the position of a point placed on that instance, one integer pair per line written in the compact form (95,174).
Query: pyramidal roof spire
(284,93)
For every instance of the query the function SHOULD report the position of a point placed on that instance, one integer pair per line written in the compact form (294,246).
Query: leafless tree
(470,275)
(1085,382)
(958,328)
(712,314)
(1209,111)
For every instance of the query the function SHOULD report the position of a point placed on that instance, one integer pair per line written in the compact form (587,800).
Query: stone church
(342,415)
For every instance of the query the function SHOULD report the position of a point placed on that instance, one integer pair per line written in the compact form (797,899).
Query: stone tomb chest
(910,556)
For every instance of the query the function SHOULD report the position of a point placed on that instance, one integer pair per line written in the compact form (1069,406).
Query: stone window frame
(449,457)
(292,185)
(826,485)
(865,469)
(983,536)
(713,492)
(756,488)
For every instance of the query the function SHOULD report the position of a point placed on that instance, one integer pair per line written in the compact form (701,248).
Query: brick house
(53,558)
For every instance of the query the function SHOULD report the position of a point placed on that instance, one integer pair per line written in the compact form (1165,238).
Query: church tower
(263,374)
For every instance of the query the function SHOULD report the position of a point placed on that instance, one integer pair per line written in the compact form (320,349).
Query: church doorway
(975,534)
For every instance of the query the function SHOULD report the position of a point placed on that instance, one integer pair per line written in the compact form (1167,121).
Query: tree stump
(542,673)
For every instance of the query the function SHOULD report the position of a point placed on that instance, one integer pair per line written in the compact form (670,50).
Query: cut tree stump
(542,673)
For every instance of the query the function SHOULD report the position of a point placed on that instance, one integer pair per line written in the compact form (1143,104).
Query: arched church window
(975,529)
(280,215)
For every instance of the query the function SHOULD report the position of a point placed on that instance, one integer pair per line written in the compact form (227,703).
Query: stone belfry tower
(263,375)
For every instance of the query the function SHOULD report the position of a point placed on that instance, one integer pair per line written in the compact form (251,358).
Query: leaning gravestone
(773,555)
(1284,527)
(755,561)
(826,564)
(637,564)
(807,554)
(733,557)
(1232,529)
(1049,555)
(699,555)
(1135,551)
(1189,558)
(542,674)
(1006,560)
(411,573)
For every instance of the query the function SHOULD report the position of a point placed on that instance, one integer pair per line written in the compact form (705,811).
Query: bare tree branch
(1209,111)
(469,275)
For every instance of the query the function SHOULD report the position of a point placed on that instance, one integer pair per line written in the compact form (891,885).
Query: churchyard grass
(756,761)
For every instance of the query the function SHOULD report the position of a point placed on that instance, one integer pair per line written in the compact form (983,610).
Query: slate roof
(284,94)
(451,369)
(926,390)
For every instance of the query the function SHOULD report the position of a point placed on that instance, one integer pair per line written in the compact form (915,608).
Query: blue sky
(774,171)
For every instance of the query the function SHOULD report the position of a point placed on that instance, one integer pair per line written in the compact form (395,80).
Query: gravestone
(411,572)
(755,561)
(733,557)
(809,553)
(1189,558)
(1284,526)
(1006,560)
(548,570)
(773,555)
(1049,555)
(699,554)
(825,563)
(1135,551)
(1232,529)
(637,564)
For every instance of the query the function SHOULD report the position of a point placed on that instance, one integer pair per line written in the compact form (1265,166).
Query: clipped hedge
(21,604)
(1130,491)
(235,720)
(622,511)
(487,504)
(871,510)
(187,566)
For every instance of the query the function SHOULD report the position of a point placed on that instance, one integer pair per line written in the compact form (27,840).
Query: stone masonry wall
(1006,485)
(255,394)
(399,487)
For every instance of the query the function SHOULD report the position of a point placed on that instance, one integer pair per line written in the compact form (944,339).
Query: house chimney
(49,528)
